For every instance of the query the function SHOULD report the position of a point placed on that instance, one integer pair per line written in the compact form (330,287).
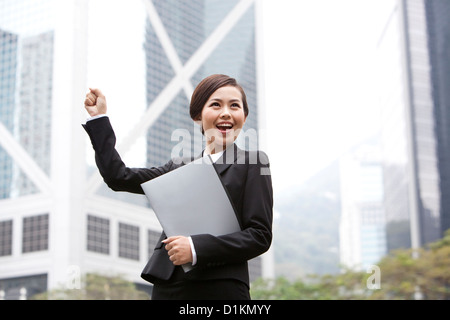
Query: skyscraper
(413,52)
(42,86)
(57,218)
(191,30)
(8,63)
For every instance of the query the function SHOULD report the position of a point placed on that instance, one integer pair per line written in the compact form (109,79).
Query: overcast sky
(319,80)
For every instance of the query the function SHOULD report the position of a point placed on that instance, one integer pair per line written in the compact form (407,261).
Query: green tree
(346,286)
(400,276)
(96,287)
(405,274)
(438,277)
(409,274)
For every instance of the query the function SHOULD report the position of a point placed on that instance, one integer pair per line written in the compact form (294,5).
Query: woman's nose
(225,113)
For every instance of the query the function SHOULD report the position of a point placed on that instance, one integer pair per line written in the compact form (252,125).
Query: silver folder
(192,200)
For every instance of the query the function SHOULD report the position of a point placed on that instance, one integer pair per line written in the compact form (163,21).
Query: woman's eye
(235,105)
(215,104)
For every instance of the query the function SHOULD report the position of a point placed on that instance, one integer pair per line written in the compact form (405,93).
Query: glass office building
(438,30)
(40,87)
(189,25)
(57,218)
(413,52)
(8,63)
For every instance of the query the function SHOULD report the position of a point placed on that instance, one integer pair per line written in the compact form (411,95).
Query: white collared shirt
(215,156)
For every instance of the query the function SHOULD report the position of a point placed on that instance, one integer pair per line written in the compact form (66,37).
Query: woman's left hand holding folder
(179,249)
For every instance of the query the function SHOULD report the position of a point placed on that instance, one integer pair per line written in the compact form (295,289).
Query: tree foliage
(404,274)
(96,287)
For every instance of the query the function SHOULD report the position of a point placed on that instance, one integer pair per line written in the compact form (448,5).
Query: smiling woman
(220,268)
(220,114)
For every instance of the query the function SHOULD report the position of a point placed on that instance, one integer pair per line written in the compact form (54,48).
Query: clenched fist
(95,102)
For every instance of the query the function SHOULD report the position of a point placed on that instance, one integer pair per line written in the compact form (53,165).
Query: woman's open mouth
(224,127)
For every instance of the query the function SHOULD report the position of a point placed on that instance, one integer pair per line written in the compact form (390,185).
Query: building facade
(413,52)
(58,221)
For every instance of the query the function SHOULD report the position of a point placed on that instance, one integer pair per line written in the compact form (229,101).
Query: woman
(220,269)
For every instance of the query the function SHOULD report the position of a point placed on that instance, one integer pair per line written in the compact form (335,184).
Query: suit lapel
(228,157)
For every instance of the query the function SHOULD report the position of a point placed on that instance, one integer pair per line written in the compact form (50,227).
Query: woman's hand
(95,102)
(179,250)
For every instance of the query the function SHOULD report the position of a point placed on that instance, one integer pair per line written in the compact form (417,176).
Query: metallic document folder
(192,200)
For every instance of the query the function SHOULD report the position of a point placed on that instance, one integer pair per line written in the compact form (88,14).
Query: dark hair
(207,87)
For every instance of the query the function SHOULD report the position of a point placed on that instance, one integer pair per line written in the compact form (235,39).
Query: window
(5,238)
(35,233)
(128,241)
(97,234)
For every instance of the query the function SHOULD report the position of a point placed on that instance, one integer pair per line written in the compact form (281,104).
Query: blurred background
(349,99)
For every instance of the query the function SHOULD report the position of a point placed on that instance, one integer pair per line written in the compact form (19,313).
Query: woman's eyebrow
(220,100)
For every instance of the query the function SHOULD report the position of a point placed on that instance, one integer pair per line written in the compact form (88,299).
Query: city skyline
(321,93)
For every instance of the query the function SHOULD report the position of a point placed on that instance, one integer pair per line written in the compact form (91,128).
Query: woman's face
(222,118)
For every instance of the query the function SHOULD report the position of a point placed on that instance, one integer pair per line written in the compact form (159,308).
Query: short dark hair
(207,87)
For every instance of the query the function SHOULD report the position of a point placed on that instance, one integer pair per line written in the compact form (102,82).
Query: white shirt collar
(214,156)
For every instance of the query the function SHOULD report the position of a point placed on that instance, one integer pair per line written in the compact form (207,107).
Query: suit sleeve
(257,213)
(110,165)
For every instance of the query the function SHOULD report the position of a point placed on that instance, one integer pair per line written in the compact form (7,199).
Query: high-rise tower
(414,53)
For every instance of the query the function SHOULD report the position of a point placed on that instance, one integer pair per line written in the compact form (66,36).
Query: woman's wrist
(96,117)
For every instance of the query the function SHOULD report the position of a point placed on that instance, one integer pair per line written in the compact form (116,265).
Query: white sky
(320,98)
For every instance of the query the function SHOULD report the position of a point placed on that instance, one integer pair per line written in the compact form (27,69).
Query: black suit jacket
(246,178)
